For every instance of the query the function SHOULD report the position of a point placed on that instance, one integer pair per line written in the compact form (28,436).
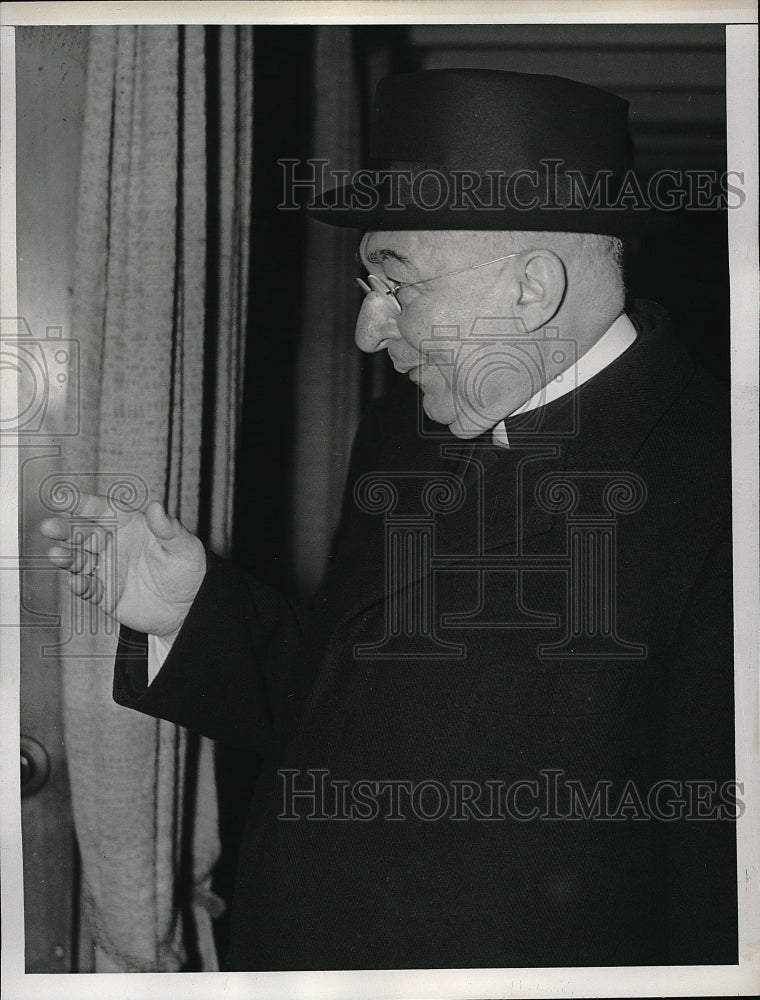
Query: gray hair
(594,262)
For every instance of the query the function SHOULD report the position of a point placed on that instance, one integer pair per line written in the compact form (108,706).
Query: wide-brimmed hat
(486,149)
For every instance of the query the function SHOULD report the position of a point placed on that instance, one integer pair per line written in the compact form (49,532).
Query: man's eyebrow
(380,254)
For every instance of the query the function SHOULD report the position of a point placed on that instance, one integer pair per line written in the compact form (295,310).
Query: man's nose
(376,325)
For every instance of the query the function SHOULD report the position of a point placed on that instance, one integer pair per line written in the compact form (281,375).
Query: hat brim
(342,207)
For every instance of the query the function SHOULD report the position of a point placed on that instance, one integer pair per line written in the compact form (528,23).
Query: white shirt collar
(611,344)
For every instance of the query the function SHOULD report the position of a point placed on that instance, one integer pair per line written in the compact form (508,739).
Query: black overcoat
(511,704)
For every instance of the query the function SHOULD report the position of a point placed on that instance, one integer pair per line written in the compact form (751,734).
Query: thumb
(165,528)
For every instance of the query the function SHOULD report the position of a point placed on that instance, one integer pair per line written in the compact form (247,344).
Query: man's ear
(542,286)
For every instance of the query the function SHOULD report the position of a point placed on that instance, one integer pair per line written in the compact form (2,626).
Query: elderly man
(503,734)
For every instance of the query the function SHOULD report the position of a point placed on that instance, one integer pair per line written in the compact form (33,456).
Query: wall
(673,75)
(674,78)
(50,74)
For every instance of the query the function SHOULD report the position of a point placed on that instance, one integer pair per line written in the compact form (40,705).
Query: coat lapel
(600,426)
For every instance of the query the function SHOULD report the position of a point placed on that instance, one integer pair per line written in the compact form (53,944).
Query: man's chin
(467,431)
(459,427)
(435,410)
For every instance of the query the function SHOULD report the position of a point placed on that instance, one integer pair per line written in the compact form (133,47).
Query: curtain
(334,381)
(328,369)
(160,312)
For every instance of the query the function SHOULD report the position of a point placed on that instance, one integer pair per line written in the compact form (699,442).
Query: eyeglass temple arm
(448,274)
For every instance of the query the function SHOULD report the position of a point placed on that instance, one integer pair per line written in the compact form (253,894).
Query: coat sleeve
(698,746)
(238,663)
(230,670)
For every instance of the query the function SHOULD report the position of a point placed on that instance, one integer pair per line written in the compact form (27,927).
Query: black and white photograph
(379,522)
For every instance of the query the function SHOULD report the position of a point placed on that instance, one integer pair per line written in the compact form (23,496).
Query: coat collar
(618,409)
(603,424)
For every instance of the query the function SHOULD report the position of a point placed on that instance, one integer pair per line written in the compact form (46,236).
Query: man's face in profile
(453,334)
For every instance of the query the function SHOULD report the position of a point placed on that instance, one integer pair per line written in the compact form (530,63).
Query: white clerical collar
(618,338)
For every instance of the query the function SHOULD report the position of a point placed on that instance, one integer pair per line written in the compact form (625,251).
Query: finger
(60,556)
(91,505)
(85,550)
(88,588)
(83,562)
(65,558)
(364,286)
(165,528)
(169,531)
(55,527)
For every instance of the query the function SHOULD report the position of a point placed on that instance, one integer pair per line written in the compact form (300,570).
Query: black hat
(485,149)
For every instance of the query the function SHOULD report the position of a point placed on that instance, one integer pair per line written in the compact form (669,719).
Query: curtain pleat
(143,791)
(189,257)
(328,368)
(233,218)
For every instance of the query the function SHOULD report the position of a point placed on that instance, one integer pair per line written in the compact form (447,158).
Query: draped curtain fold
(160,312)
(328,371)
(334,382)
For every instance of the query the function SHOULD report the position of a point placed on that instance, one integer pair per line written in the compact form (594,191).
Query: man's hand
(146,573)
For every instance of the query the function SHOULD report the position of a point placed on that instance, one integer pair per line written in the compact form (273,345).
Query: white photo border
(743,979)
